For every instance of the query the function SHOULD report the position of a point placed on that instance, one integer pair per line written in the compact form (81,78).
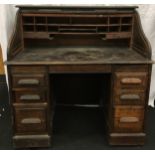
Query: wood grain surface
(1,62)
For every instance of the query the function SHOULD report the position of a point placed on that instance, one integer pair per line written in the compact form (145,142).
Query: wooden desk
(56,50)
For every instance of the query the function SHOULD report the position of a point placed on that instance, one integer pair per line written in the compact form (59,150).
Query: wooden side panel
(140,42)
(15,45)
(1,63)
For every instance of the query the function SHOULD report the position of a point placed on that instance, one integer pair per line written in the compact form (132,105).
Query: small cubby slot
(52,29)
(126,20)
(114,20)
(89,20)
(58,20)
(28,20)
(102,29)
(105,20)
(114,28)
(40,20)
(126,28)
(28,28)
(40,28)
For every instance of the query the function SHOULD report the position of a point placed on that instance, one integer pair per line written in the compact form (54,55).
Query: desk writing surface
(79,55)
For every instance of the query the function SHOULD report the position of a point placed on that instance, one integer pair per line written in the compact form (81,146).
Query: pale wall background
(147,14)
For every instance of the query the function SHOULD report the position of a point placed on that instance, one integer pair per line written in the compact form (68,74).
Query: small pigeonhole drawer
(126,80)
(30,96)
(128,119)
(30,120)
(29,80)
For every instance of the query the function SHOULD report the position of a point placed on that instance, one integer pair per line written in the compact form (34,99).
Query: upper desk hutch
(57,50)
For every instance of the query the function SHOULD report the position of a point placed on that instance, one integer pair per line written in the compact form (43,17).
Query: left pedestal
(30,106)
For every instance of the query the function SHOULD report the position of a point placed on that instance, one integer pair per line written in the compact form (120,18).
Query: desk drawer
(29,120)
(29,96)
(134,80)
(129,97)
(128,118)
(29,80)
(28,69)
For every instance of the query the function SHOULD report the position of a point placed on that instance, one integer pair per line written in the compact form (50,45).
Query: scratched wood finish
(100,51)
(31,126)
(79,55)
(128,119)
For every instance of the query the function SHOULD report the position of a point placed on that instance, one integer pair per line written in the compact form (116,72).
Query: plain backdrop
(146,11)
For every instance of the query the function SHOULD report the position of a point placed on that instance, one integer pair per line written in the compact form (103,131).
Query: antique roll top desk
(53,43)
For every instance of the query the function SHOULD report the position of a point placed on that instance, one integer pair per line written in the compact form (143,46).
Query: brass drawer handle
(28,82)
(31,121)
(130,97)
(30,97)
(129,120)
(131,81)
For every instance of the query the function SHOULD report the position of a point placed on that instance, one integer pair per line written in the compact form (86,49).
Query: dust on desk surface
(79,54)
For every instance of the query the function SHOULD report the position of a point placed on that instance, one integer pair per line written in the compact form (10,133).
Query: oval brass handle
(130,97)
(30,97)
(31,121)
(131,81)
(28,82)
(129,119)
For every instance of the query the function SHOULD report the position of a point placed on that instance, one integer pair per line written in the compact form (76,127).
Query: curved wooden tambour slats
(140,42)
(16,41)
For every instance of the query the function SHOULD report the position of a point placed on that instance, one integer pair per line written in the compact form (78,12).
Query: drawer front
(129,97)
(134,80)
(28,96)
(28,120)
(131,68)
(128,119)
(29,80)
(28,69)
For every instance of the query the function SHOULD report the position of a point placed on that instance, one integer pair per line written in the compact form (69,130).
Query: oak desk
(101,48)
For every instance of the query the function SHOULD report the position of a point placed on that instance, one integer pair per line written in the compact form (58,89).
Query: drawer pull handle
(129,119)
(31,121)
(28,82)
(130,97)
(30,97)
(131,81)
